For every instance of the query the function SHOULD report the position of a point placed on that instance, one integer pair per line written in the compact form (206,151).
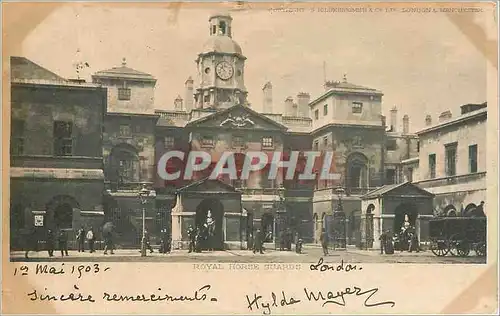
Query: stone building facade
(56,170)
(452,159)
(132,134)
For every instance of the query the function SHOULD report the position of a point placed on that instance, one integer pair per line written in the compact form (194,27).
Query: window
(237,141)
(17,137)
(325,109)
(316,145)
(207,141)
(128,169)
(418,146)
(206,98)
(214,29)
(390,176)
(472,158)
(316,114)
(125,130)
(169,142)
(451,159)
(325,141)
(267,142)
(432,166)
(357,107)
(410,174)
(391,144)
(124,94)
(63,138)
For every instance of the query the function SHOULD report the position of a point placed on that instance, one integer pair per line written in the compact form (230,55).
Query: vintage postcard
(250,158)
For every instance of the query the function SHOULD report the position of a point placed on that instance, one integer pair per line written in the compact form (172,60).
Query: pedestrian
(148,241)
(383,242)
(91,239)
(324,242)
(289,237)
(192,239)
(258,242)
(108,242)
(50,242)
(63,242)
(250,241)
(298,246)
(80,239)
(389,246)
(30,242)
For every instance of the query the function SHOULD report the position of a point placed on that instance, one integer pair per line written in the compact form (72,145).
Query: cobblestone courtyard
(309,255)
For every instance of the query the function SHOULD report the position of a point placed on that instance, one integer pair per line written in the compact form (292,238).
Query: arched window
(357,171)
(124,164)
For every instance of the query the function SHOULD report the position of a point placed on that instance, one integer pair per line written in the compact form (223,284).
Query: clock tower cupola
(220,67)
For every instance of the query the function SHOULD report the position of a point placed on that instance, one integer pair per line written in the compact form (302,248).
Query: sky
(421,62)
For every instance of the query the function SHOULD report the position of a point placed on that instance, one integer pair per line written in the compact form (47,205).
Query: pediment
(208,186)
(238,117)
(407,189)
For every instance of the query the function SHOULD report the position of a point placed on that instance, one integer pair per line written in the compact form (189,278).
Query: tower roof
(124,72)
(221,44)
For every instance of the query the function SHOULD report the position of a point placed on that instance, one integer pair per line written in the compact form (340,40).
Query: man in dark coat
(30,242)
(80,239)
(50,242)
(108,242)
(148,241)
(324,242)
(383,242)
(258,242)
(192,238)
(63,242)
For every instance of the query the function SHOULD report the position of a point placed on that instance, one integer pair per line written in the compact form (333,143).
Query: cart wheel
(439,248)
(481,249)
(458,247)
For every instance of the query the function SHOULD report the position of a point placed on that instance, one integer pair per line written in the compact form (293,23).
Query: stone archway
(217,211)
(356,171)
(403,211)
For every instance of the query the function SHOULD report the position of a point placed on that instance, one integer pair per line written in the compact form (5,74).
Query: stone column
(176,223)
(377,227)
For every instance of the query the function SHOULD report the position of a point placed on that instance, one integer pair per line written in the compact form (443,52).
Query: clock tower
(220,67)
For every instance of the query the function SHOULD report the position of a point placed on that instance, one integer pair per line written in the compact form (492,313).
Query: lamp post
(280,212)
(144,193)
(340,220)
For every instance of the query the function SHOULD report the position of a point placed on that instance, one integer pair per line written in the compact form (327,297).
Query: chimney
(406,124)
(189,94)
(428,120)
(267,93)
(178,104)
(446,115)
(303,100)
(394,117)
(290,107)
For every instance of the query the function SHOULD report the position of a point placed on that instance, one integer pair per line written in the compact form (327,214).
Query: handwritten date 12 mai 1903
(50,269)
(265,305)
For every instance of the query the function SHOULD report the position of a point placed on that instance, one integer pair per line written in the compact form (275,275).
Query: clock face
(224,70)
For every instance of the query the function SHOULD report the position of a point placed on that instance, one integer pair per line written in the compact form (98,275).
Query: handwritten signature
(346,267)
(257,302)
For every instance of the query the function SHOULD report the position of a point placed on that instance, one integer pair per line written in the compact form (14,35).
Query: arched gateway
(213,208)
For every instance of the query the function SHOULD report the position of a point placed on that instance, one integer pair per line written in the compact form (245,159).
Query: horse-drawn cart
(457,236)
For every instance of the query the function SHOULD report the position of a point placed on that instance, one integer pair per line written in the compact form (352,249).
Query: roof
(246,108)
(124,72)
(221,44)
(346,87)
(22,68)
(207,179)
(457,120)
(386,189)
